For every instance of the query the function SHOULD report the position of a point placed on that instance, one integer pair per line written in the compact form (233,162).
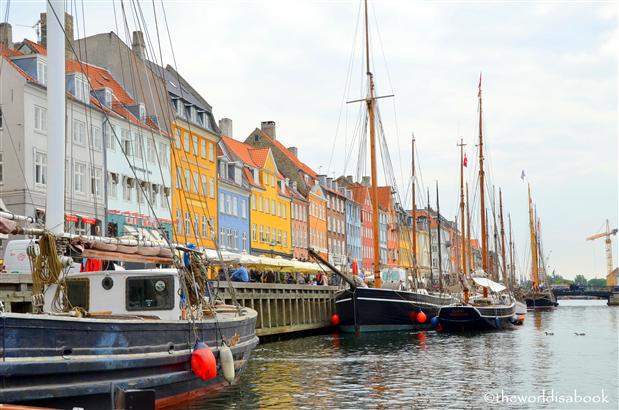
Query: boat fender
(335,319)
(421,317)
(203,363)
(227,362)
(434,321)
(513,319)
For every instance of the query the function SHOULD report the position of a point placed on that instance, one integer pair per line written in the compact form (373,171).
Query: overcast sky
(549,88)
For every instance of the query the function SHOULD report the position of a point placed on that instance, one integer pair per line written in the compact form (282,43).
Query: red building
(386,203)
(361,195)
(300,223)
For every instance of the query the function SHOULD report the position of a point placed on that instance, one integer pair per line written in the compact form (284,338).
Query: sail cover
(487,283)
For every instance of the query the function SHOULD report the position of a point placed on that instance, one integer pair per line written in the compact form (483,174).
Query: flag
(465,161)
(522,175)
(479,86)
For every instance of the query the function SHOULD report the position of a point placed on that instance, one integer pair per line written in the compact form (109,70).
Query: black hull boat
(475,318)
(541,300)
(68,362)
(363,309)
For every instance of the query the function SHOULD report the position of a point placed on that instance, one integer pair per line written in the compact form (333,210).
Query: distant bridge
(600,292)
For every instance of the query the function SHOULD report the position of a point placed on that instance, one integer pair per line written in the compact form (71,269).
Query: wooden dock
(16,292)
(285,308)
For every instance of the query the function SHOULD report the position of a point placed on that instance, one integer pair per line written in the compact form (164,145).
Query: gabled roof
(35,47)
(286,152)
(7,53)
(240,150)
(259,156)
(100,78)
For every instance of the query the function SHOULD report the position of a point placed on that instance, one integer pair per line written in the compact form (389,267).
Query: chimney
(294,151)
(322,179)
(268,127)
(225,125)
(138,46)
(349,179)
(6,35)
(68,28)
(366,181)
(330,183)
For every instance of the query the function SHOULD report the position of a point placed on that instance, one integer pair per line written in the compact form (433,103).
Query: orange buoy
(203,363)
(335,319)
(421,317)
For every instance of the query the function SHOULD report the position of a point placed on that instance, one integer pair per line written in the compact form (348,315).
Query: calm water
(431,370)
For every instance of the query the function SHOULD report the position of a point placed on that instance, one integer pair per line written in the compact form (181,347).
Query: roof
(259,156)
(100,78)
(36,47)
(240,150)
(286,152)
(7,53)
(384,197)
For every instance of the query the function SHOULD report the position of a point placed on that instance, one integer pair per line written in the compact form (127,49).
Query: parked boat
(495,307)
(105,336)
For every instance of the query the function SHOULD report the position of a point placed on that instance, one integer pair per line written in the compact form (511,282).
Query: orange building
(318,219)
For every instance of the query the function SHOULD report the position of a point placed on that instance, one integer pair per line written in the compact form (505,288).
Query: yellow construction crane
(610,278)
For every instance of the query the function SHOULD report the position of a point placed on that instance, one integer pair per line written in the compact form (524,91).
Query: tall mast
(505,274)
(438,237)
(534,271)
(512,268)
(468,231)
(495,267)
(482,204)
(430,239)
(54,214)
(374,192)
(461,145)
(414,215)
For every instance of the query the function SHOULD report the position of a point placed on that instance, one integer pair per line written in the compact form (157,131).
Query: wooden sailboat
(495,308)
(364,309)
(539,296)
(102,333)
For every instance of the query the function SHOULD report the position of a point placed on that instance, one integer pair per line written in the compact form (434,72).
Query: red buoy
(421,317)
(203,363)
(335,319)
(439,328)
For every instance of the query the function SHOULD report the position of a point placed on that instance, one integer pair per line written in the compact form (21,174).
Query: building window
(235,206)
(179,222)
(139,146)
(222,237)
(261,233)
(196,185)
(163,155)
(253,202)
(203,148)
(244,241)
(284,211)
(260,203)
(212,187)
(204,226)
(96,141)
(211,152)
(96,182)
(272,206)
(186,143)
(195,145)
(177,138)
(254,232)
(40,168)
(40,119)
(79,177)
(243,209)
(222,203)
(285,239)
(42,72)
(126,141)
(279,209)
(109,137)
(79,132)
(187,223)
(127,188)
(203,180)
(187,180)
(266,205)
(196,225)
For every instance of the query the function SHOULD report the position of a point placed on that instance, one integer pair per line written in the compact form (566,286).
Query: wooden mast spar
(534,271)
(462,220)
(484,238)
(414,216)
(505,274)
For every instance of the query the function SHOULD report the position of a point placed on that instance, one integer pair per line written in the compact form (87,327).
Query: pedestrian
(240,274)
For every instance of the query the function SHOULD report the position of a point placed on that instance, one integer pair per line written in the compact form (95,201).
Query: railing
(284,308)
(15,292)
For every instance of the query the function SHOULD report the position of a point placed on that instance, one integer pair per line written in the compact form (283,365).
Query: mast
(482,204)
(438,237)
(534,271)
(414,216)
(461,145)
(505,275)
(495,260)
(468,231)
(430,239)
(374,192)
(54,214)
(512,268)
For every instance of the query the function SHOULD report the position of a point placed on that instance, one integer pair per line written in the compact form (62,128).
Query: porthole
(107,283)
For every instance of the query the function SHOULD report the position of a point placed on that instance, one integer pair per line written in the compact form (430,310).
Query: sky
(549,94)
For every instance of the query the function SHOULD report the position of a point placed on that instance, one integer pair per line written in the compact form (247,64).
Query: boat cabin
(146,292)
(395,278)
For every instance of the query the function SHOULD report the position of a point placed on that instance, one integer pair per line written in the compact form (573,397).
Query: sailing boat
(388,307)
(103,333)
(538,297)
(495,308)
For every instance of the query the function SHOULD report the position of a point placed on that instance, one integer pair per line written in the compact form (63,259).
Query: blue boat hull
(476,318)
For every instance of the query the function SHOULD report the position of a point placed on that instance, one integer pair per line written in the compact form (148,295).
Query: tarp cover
(487,283)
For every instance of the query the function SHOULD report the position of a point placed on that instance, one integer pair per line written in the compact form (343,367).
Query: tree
(597,282)
(580,280)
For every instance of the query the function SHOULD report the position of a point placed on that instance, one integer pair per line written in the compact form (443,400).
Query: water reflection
(430,369)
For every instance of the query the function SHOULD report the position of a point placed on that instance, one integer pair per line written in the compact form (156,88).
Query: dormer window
(201,118)
(187,113)
(81,89)
(179,107)
(108,97)
(142,111)
(41,71)
(194,114)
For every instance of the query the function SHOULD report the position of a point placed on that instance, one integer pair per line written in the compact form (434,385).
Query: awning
(487,283)
(89,221)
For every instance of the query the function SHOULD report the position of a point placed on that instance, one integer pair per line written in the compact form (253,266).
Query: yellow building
(194,165)
(270,223)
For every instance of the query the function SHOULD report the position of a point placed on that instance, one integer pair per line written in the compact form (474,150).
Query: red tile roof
(259,155)
(384,197)
(100,78)
(7,53)
(36,47)
(302,166)
(241,150)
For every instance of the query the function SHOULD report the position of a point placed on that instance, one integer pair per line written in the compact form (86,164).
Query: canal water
(542,364)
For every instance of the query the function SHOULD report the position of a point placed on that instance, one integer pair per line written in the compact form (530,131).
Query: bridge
(611,293)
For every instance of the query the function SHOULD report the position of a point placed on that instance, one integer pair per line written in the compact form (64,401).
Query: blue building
(233,199)
(353,228)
